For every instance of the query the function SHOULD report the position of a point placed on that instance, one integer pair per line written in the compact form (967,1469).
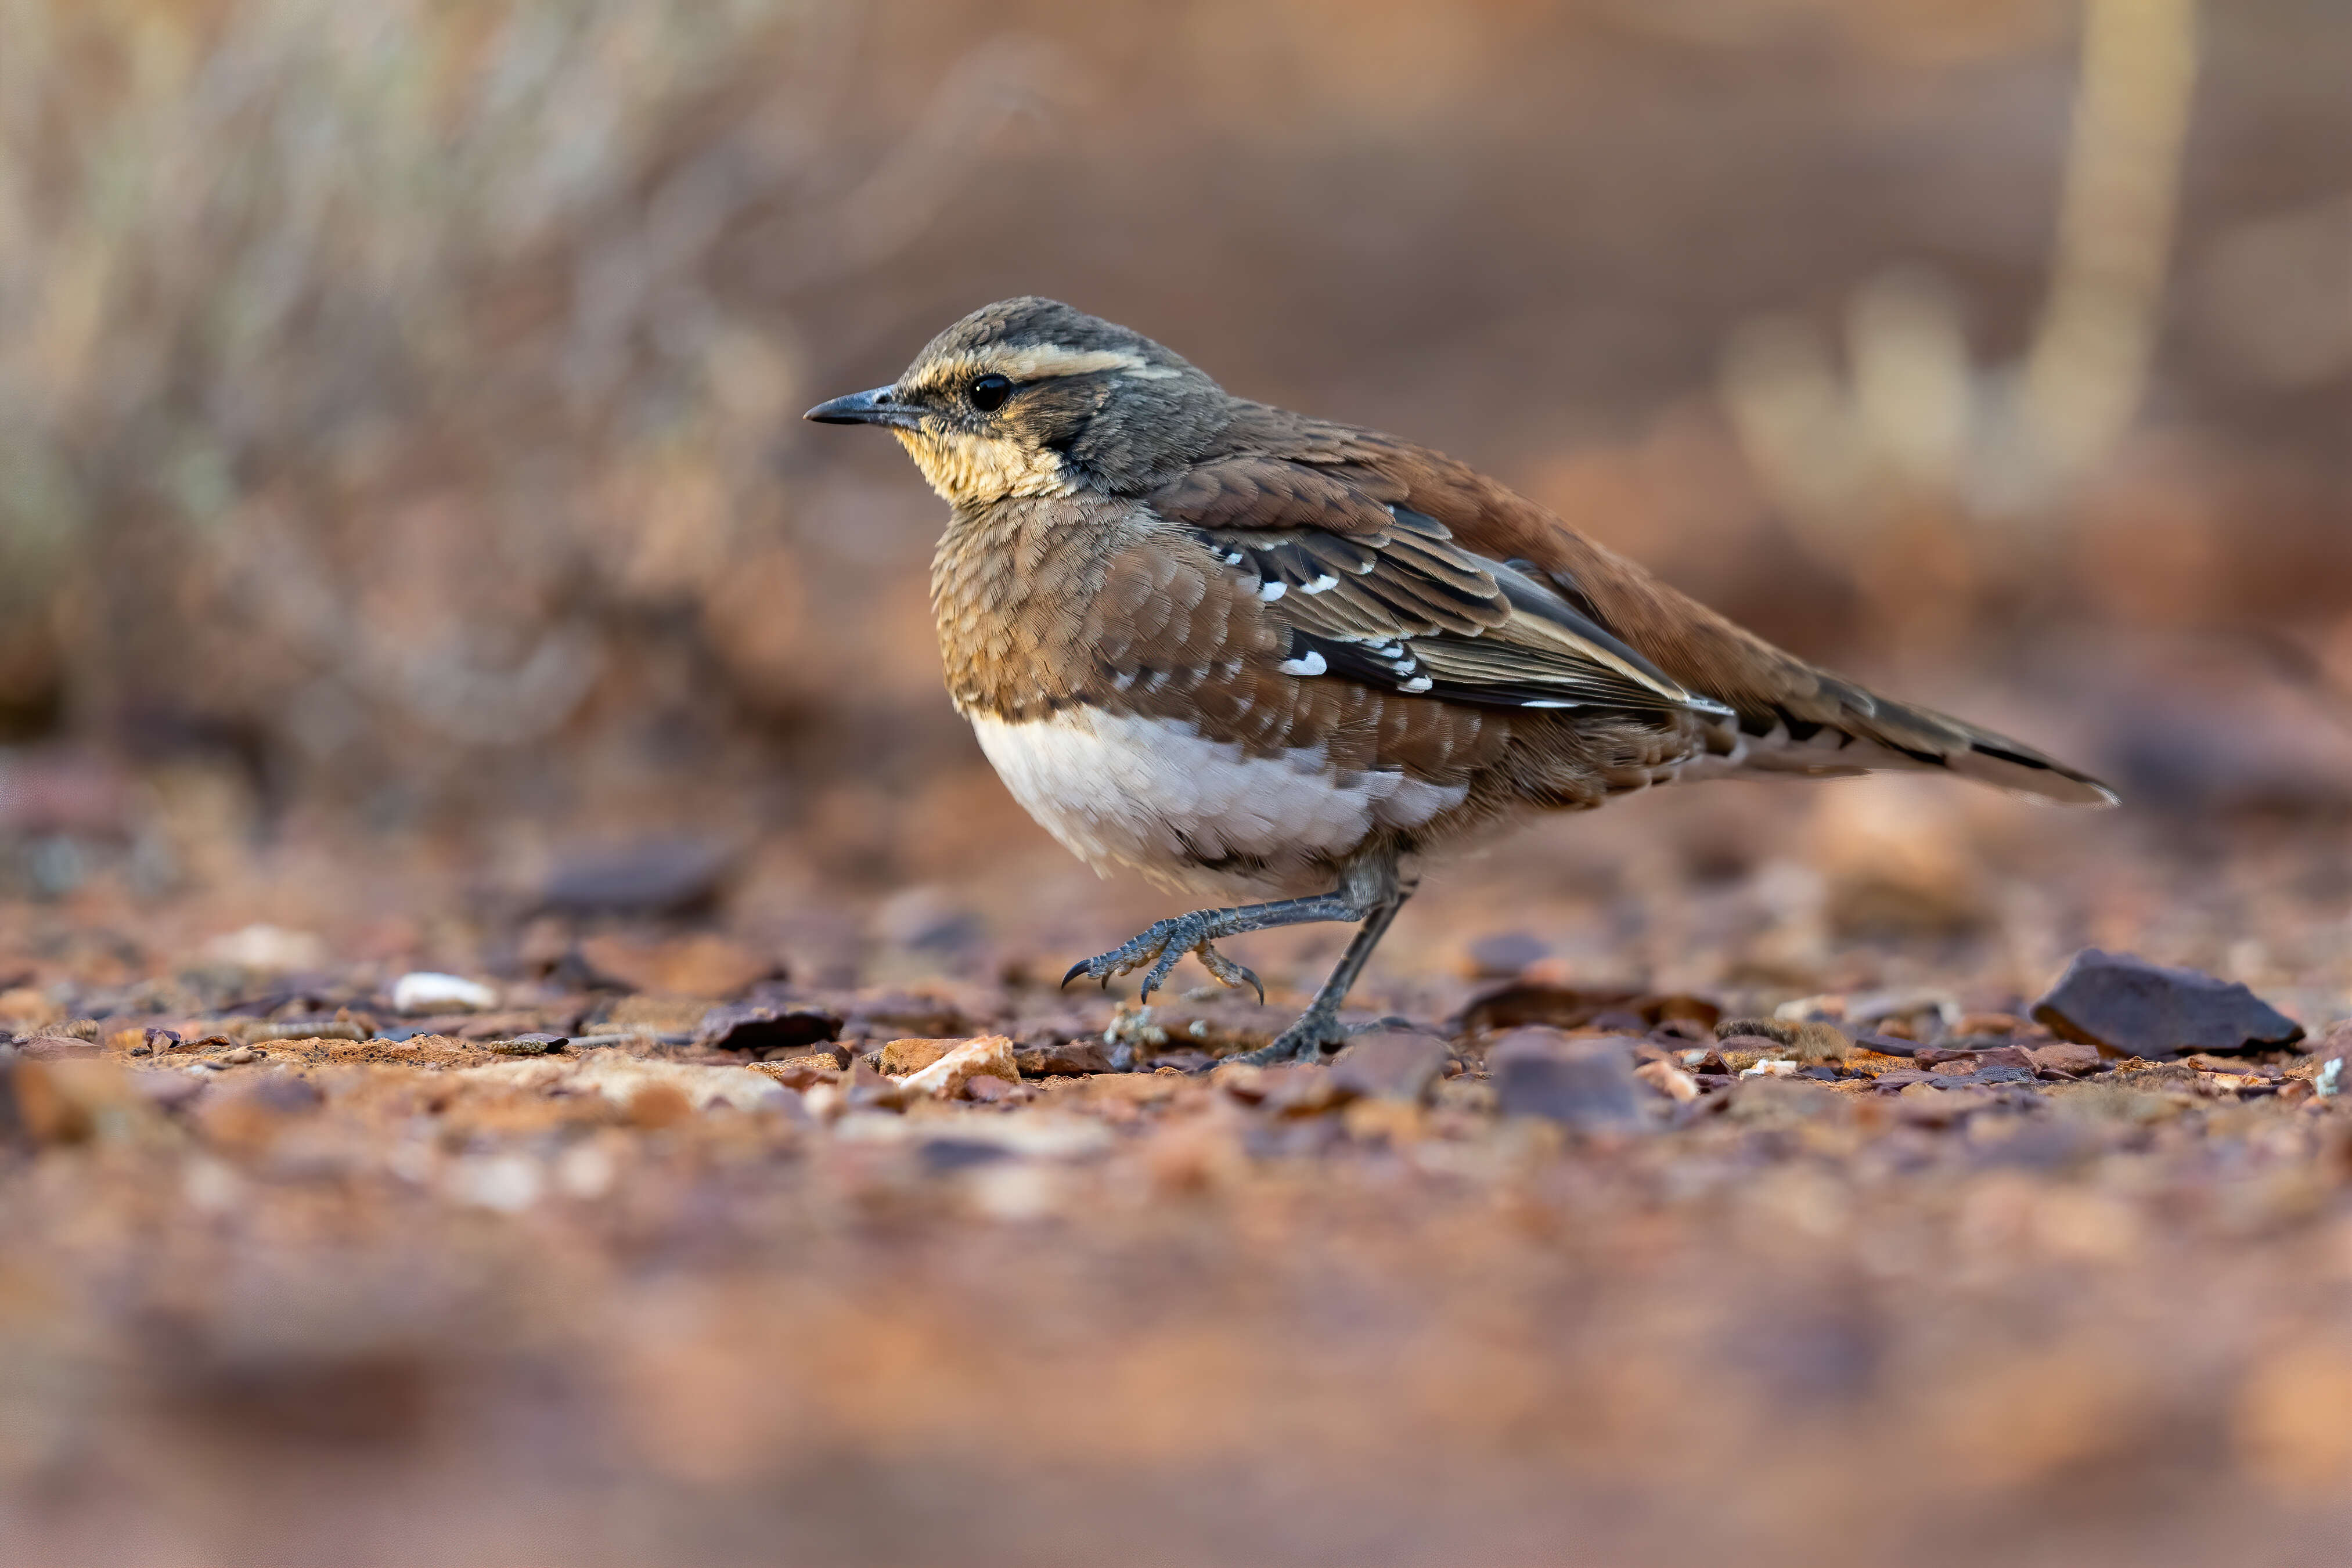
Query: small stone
(1668,1080)
(1887,1044)
(901,1057)
(429,992)
(241,1056)
(801,1072)
(2069,1059)
(824,1059)
(866,1090)
(535,1044)
(759,1026)
(1071,1058)
(1526,1004)
(1395,1065)
(1777,1068)
(1587,1085)
(989,1056)
(2150,1010)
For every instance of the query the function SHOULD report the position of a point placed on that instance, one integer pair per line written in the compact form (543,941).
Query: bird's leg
(1318,1029)
(1369,894)
(1157,950)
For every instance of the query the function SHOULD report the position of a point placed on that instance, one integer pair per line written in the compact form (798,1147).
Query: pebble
(901,1057)
(1392,1065)
(1668,1080)
(989,1056)
(427,991)
(1070,1059)
(764,1026)
(526,1044)
(2151,1010)
(1585,1084)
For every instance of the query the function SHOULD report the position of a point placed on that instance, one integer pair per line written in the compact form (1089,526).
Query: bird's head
(1029,397)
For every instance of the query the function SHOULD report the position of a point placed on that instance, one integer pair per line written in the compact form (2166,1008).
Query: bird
(1286,662)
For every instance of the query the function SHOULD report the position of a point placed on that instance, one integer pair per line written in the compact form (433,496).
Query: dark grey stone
(1584,1085)
(2150,1011)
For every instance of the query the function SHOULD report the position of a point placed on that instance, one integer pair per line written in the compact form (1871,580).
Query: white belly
(1154,795)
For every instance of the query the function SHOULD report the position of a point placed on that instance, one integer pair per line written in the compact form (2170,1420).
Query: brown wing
(1784,715)
(1367,589)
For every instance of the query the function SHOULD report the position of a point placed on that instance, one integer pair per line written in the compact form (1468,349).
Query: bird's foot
(1157,950)
(1318,1030)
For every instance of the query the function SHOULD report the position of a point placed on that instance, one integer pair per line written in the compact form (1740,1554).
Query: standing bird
(1259,655)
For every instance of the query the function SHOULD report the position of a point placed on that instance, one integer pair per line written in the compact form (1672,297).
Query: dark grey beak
(874,407)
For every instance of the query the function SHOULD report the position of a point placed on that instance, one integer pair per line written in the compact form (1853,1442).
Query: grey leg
(1318,1029)
(1369,893)
(1169,940)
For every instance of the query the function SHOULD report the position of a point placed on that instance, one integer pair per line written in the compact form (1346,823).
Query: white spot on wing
(1418,684)
(1270,591)
(1322,584)
(1312,665)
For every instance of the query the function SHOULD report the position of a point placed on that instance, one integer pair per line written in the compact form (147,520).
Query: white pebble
(424,991)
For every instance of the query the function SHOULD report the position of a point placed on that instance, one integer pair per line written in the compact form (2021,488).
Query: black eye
(989,392)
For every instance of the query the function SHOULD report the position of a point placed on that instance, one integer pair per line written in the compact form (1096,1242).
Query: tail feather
(1872,735)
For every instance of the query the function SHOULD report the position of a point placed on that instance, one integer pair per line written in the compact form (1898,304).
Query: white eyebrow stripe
(1049,360)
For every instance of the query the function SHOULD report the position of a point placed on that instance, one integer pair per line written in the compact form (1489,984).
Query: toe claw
(1076,970)
(1228,972)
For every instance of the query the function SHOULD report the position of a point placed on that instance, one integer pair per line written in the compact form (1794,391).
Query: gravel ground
(1802,1243)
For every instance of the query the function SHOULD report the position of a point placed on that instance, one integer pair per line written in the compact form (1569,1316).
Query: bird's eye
(987,393)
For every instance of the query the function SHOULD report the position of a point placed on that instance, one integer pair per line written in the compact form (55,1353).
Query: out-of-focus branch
(1914,425)
(2087,369)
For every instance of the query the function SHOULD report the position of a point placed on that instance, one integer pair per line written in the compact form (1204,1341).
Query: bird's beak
(875,407)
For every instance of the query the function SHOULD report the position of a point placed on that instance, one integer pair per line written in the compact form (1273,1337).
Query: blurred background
(401,483)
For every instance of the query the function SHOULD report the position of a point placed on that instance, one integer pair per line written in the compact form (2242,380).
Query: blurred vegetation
(371,389)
